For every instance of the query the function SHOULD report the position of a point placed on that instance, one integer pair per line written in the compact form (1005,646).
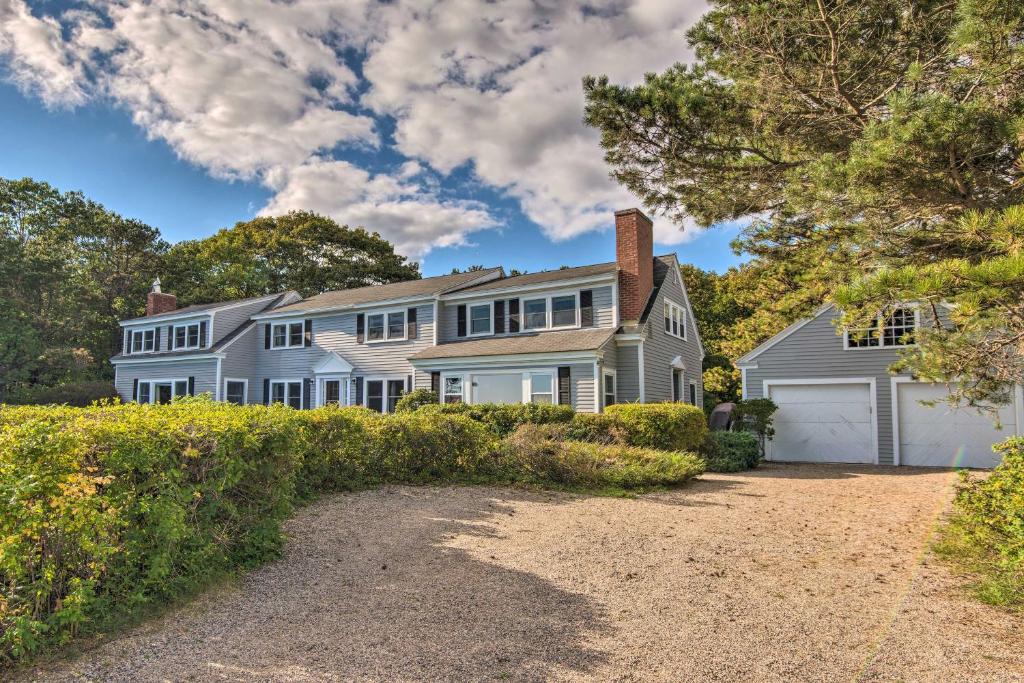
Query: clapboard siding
(204,371)
(228,320)
(241,359)
(660,347)
(604,308)
(627,373)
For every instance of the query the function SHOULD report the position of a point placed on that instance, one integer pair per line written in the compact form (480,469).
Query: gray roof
(428,286)
(200,308)
(589,339)
(542,277)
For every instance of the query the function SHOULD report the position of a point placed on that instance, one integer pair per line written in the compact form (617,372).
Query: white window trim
(461,376)
(386,312)
(142,331)
(154,382)
(245,391)
(287,334)
(174,336)
(527,388)
(881,329)
(609,372)
(683,319)
(286,382)
(548,312)
(384,397)
(490,319)
(345,393)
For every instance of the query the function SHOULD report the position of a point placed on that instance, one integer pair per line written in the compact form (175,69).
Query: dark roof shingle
(542,277)
(589,339)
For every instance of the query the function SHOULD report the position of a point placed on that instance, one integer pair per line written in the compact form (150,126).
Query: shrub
(415,399)
(663,426)
(756,415)
(534,456)
(503,419)
(80,394)
(334,450)
(985,533)
(595,428)
(731,451)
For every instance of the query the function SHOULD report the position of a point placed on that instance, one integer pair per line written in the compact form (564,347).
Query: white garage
(828,420)
(941,435)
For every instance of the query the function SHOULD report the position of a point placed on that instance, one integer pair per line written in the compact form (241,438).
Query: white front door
(945,436)
(826,422)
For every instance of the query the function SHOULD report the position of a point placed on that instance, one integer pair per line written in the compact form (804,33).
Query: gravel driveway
(789,573)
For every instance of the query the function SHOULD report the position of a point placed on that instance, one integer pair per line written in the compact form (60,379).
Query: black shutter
(266,336)
(135,389)
(202,335)
(170,337)
(564,395)
(360,327)
(408,383)
(499,317)
(693,394)
(435,382)
(359,391)
(191,386)
(587,308)
(461,331)
(307,386)
(513,315)
(127,341)
(308,333)
(156,340)
(266,389)
(410,322)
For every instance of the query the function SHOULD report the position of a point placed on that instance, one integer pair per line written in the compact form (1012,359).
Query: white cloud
(260,90)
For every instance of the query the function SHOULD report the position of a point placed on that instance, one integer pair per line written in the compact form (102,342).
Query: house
(839,403)
(587,336)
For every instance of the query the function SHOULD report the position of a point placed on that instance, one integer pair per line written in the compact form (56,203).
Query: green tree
(300,250)
(874,148)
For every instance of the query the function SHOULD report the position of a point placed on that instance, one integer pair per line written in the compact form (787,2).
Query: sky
(451,127)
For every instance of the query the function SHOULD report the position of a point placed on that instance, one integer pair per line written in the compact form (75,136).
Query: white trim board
(873,395)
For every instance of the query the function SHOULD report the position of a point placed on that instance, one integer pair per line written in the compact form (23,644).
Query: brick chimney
(157,302)
(634,253)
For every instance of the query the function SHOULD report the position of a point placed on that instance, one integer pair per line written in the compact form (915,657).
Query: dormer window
(480,316)
(186,336)
(893,331)
(143,341)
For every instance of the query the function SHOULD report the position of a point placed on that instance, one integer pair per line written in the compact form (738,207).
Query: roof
(589,339)
(424,287)
(203,308)
(663,265)
(542,277)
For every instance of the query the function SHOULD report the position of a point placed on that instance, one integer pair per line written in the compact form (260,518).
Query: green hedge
(663,426)
(731,451)
(985,533)
(80,394)
(503,419)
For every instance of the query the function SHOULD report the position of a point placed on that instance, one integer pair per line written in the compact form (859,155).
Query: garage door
(944,436)
(823,423)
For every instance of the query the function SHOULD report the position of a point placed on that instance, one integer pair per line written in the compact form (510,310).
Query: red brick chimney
(157,302)
(634,253)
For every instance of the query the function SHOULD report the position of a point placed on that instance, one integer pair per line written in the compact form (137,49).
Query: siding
(240,361)
(628,372)
(660,347)
(815,351)
(204,372)
(337,333)
(604,308)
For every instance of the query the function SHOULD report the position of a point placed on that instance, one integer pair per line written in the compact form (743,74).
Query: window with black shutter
(587,308)
(308,332)
(513,315)
(202,335)
(499,317)
(266,389)
(412,328)
(360,328)
(266,337)
(461,320)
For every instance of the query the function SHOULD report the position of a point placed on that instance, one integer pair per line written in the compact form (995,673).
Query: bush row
(985,533)
(107,510)
(731,451)
(80,394)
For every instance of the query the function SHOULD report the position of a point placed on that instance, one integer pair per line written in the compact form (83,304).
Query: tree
(874,148)
(300,250)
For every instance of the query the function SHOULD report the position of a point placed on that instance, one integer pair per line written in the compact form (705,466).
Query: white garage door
(823,423)
(944,436)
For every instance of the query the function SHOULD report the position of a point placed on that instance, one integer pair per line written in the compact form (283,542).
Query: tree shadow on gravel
(369,589)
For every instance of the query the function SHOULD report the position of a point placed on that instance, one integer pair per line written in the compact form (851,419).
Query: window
(289,393)
(453,389)
(186,336)
(541,385)
(396,387)
(161,390)
(235,391)
(144,395)
(675,319)
(480,319)
(563,310)
(899,328)
(181,387)
(535,314)
(142,341)
(375,395)
(386,326)
(609,388)
(287,335)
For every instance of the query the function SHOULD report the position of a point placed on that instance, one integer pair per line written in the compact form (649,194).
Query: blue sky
(456,135)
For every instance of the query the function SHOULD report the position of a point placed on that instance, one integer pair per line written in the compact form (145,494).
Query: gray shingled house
(587,336)
(839,403)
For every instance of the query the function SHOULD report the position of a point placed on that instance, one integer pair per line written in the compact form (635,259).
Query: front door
(396,387)
(332,392)
(164,393)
